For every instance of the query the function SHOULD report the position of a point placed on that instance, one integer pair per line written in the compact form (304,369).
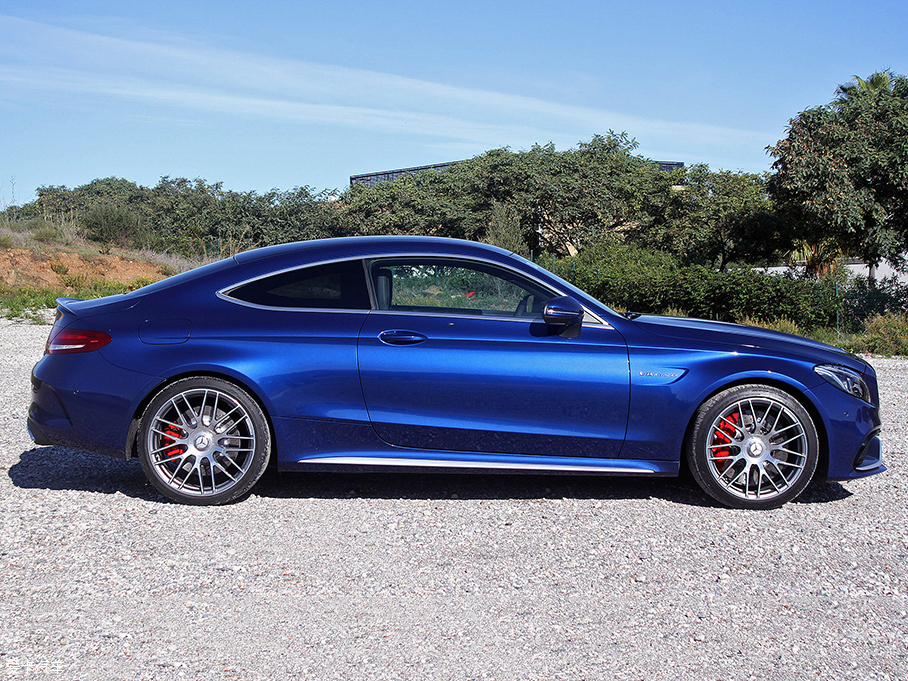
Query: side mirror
(565,315)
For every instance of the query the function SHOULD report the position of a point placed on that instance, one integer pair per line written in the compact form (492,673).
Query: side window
(339,286)
(455,287)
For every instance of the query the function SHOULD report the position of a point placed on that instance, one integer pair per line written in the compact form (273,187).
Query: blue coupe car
(378,353)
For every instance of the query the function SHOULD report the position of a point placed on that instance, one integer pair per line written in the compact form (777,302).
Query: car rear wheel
(753,446)
(204,441)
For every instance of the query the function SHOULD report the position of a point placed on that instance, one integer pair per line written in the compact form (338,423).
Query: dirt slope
(27,267)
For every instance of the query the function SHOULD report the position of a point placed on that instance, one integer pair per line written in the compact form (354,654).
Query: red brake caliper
(170,439)
(725,435)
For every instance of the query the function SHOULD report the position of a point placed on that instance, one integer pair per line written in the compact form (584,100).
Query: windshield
(569,287)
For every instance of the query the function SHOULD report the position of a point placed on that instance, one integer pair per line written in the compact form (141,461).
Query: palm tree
(857,88)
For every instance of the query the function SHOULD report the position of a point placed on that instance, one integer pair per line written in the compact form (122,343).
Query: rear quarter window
(339,286)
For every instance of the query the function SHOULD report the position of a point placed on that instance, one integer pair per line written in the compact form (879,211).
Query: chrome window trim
(272,308)
(224,293)
(454,315)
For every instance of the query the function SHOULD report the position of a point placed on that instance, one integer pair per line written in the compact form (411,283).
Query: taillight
(75,340)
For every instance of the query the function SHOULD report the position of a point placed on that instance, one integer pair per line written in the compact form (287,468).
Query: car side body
(369,384)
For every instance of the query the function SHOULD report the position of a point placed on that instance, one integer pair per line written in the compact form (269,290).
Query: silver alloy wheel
(757,448)
(201,442)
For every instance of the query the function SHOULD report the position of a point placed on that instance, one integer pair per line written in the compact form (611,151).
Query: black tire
(753,447)
(203,441)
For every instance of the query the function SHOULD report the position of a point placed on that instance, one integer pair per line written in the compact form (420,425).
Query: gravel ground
(441,577)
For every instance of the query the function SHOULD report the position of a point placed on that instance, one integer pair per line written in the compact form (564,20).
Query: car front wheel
(204,441)
(753,446)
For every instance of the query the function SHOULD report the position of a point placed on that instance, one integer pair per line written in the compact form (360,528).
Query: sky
(262,95)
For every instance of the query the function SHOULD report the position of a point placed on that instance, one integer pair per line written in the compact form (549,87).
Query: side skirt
(461,463)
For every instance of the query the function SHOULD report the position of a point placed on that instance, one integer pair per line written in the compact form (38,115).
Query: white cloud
(184,76)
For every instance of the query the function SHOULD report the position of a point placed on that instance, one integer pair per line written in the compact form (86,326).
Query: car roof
(301,253)
(366,246)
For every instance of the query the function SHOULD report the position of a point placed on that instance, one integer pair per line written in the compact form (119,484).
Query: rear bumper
(82,401)
(36,434)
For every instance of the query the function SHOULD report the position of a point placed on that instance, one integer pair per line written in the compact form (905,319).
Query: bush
(828,335)
(18,301)
(646,281)
(31,225)
(885,334)
(24,301)
(109,224)
(862,298)
(783,324)
(139,283)
(47,234)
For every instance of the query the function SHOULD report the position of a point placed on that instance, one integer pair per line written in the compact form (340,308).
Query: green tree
(504,229)
(715,219)
(426,203)
(559,201)
(841,173)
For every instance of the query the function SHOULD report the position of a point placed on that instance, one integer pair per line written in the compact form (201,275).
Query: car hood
(703,330)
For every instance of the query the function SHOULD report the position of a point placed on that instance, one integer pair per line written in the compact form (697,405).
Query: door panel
(494,385)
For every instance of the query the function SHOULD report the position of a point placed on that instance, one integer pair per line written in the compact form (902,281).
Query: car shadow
(484,486)
(61,468)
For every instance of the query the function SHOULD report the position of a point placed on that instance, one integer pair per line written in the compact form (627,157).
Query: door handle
(400,337)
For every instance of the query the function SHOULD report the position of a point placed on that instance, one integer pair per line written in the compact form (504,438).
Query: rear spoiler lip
(93,307)
(63,304)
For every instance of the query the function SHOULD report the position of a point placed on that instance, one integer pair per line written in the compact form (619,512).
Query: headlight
(845,379)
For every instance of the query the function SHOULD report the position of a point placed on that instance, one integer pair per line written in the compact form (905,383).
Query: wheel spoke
(202,406)
(735,478)
(169,435)
(166,447)
(229,458)
(194,420)
(782,475)
(781,445)
(185,478)
(726,445)
(170,423)
(178,412)
(757,420)
(170,459)
(782,430)
(778,416)
(734,425)
(226,417)
(173,477)
(224,470)
(198,470)
(779,462)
